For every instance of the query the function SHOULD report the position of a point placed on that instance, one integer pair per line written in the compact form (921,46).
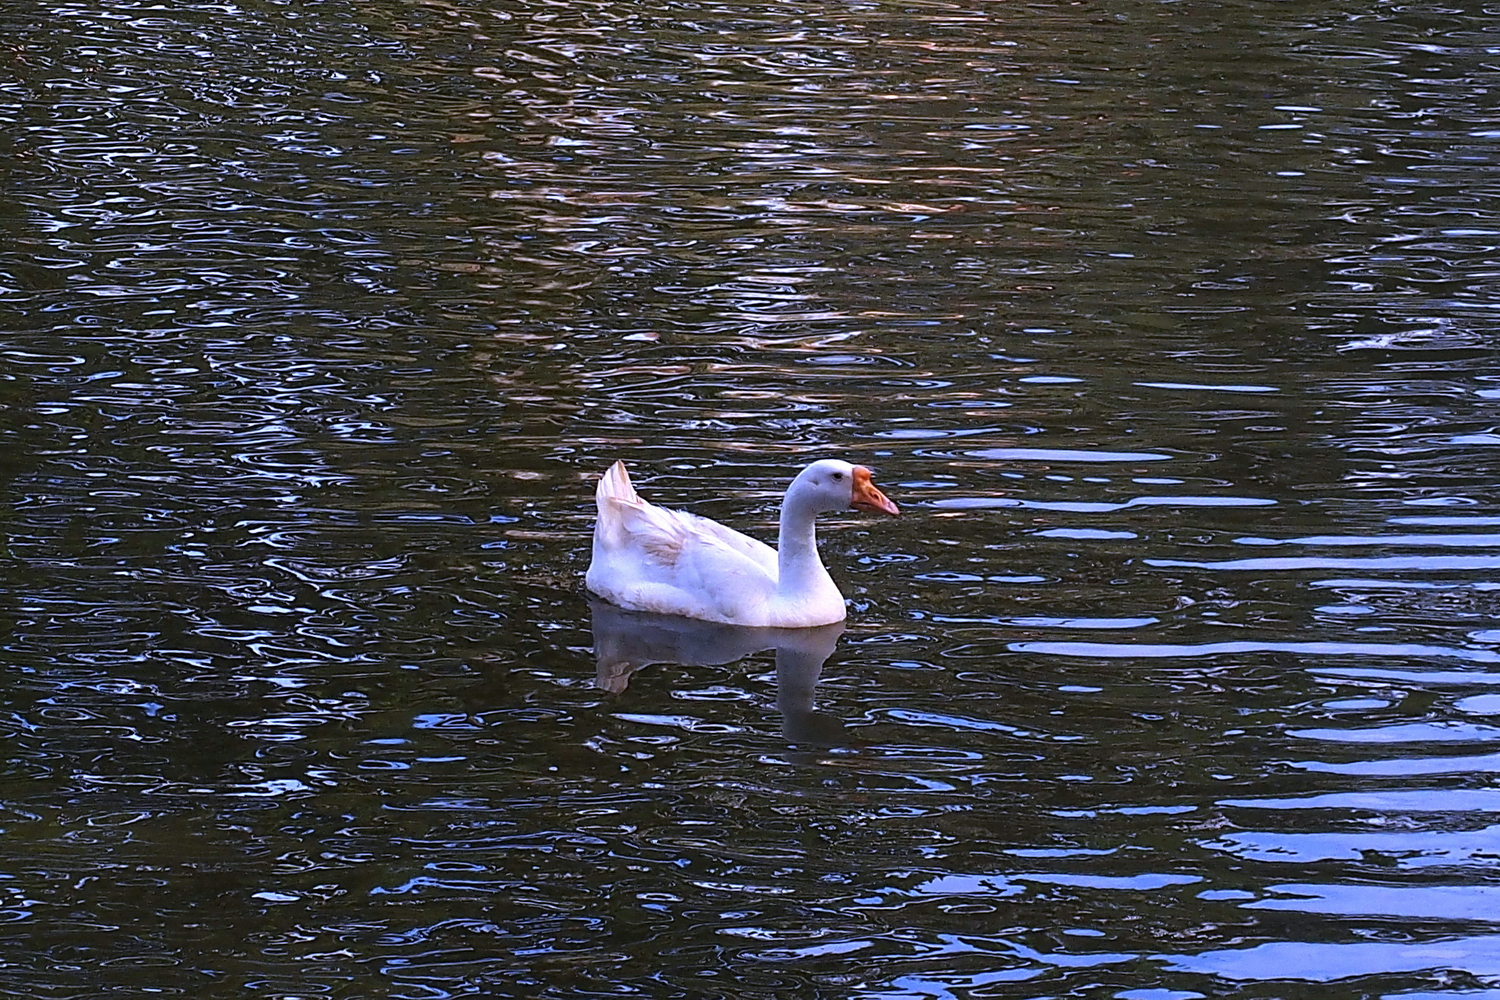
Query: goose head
(831,485)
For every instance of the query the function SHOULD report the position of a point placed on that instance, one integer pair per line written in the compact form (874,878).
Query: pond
(1170,327)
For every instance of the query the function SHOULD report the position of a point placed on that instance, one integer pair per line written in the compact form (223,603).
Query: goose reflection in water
(626,641)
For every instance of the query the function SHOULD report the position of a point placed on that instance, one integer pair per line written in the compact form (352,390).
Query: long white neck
(799,570)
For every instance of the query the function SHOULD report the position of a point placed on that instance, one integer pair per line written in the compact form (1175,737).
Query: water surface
(1168,326)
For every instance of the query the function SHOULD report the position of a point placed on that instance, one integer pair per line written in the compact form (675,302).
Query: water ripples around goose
(1169,331)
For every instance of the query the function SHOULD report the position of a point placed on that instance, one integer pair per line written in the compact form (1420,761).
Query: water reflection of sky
(1172,331)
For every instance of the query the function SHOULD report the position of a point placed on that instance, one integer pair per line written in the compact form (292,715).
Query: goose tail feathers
(615,485)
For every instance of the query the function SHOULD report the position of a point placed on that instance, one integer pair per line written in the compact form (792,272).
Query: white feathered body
(650,558)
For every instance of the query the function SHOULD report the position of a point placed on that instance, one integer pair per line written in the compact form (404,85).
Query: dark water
(1170,326)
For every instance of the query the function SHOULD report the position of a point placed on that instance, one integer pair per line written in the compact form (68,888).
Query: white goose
(649,558)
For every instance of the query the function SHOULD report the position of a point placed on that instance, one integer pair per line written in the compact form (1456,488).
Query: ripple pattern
(1169,328)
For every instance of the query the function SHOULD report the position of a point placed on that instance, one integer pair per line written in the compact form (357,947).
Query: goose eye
(838,477)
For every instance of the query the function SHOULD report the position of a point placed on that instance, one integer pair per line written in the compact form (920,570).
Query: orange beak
(867,497)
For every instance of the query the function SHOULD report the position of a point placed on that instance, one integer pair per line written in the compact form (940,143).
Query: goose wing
(669,538)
